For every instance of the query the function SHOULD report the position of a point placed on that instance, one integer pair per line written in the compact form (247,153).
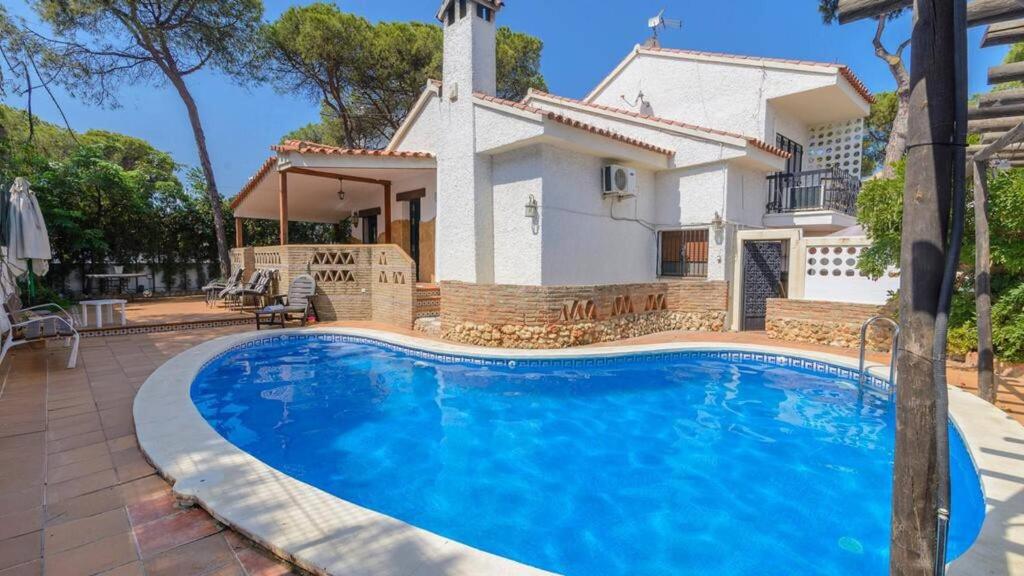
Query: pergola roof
(316,173)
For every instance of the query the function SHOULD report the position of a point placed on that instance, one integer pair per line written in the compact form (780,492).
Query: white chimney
(465,221)
(469,46)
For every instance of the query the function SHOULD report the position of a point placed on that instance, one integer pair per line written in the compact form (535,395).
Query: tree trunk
(983,286)
(927,201)
(223,254)
(897,143)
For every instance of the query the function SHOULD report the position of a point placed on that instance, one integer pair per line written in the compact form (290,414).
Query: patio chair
(213,289)
(230,294)
(33,324)
(299,300)
(260,289)
(19,313)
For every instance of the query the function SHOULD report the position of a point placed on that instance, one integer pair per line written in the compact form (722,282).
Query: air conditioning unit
(618,180)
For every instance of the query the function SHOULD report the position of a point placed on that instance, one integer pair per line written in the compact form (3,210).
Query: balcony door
(795,161)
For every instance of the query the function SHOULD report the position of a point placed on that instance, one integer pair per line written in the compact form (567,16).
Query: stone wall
(513,316)
(353,281)
(829,323)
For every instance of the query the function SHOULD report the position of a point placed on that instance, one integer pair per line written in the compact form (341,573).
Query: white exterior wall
(582,244)
(517,239)
(422,135)
(779,122)
(712,94)
(747,196)
(465,213)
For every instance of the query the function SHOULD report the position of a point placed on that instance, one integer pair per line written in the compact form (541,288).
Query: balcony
(819,200)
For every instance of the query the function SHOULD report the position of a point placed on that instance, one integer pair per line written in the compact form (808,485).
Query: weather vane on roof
(663,23)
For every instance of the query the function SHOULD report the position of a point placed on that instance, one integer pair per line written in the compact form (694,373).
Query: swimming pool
(687,462)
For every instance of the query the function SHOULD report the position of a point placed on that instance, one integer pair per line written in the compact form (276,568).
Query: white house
(680,164)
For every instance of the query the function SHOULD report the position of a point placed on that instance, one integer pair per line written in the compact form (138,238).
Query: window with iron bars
(684,253)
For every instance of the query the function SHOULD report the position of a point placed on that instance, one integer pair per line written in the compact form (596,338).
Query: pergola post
(239,233)
(387,212)
(282,204)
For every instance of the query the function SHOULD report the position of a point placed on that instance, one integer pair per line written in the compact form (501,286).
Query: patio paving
(176,310)
(76,495)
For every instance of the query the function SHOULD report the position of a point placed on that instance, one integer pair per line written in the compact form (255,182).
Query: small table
(99,304)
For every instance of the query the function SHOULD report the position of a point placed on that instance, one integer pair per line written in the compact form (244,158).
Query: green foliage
(880,212)
(367,76)
(1008,319)
(877,128)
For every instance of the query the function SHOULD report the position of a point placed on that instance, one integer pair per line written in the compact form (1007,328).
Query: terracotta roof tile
(845,70)
(761,144)
(304,147)
(575,124)
(267,165)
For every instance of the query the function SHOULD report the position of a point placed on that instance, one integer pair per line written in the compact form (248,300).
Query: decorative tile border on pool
(869,381)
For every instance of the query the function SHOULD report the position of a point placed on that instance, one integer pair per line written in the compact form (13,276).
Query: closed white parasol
(28,244)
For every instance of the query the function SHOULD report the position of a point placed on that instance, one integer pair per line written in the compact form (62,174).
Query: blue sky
(583,41)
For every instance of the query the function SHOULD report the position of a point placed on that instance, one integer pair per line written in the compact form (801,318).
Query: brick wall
(353,281)
(557,316)
(821,322)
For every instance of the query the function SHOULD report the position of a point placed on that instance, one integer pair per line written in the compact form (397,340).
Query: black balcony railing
(828,189)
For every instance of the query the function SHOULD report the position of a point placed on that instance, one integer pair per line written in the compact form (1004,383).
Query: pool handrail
(895,343)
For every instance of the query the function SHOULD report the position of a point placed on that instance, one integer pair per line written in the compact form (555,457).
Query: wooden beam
(1003,33)
(981,12)
(411,195)
(983,285)
(239,233)
(367,212)
(387,213)
(990,137)
(993,124)
(852,10)
(1012,136)
(999,97)
(1006,73)
(999,111)
(282,206)
(333,176)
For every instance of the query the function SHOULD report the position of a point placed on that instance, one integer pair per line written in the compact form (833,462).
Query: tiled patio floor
(154,311)
(76,495)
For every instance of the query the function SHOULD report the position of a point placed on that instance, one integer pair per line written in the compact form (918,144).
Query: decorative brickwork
(353,281)
(560,316)
(829,323)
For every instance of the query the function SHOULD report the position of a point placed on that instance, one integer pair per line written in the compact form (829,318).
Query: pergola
(307,182)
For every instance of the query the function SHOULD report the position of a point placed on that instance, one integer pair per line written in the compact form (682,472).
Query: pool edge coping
(325,534)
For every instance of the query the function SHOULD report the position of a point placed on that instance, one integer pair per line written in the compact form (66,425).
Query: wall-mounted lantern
(717,222)
(532,207)
(341,190)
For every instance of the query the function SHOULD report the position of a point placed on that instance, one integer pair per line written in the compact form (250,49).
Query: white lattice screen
(831,274)
(836,144)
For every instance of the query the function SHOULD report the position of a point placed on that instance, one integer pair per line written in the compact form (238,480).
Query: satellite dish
(661,22)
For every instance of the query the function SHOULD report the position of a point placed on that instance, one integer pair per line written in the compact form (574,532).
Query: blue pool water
(679,463)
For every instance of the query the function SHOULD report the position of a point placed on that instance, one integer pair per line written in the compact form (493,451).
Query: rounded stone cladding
(511,316)
(829,323)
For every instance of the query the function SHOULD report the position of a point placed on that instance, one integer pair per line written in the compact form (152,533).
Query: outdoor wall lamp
(341,190)
(531,207)
(717,222)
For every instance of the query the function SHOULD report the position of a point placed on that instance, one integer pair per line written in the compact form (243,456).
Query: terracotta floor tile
(94,450)
(143,489)
(19,523)
(76,430)
(255,561)
(22,499)
(74,442)
(79,486)
(122,443)
(93,558)
(78,469)
(20,549)
(133,569)
(175,530)
(33,568)
(77,533)
(199,557)
(83,506)
(157,507)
